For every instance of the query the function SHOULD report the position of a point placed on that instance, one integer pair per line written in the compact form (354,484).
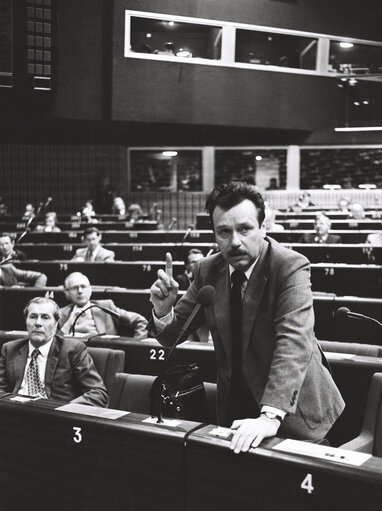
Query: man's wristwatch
(273,416)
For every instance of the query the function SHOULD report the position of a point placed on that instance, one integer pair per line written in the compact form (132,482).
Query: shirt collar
(79,309)
(247,273)
(44,349)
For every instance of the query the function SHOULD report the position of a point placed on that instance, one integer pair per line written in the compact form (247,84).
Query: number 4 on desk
(307,483)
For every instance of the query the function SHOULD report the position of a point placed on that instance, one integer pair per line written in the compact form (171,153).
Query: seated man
(322,227)
(185,279)
(95,321)
(8,251)
(47,365)
(94,251)
(12,276)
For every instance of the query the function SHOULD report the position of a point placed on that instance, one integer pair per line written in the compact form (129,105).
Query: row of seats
(328,325)
(341,279)
(333,253)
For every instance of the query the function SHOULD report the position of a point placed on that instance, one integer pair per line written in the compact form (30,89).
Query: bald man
(95,321)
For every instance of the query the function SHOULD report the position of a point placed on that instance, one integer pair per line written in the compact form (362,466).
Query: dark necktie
(35,386)
(237,279)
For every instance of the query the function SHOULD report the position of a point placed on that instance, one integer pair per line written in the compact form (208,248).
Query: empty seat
(108,363)
(370,438)
(131,393)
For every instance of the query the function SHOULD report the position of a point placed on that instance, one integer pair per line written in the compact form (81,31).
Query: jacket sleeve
(137,322)
(110,256)
(4,384)
(34,278)
(294,336)
(93,390)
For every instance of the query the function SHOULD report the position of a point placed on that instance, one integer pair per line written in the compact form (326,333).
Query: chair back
(108,363)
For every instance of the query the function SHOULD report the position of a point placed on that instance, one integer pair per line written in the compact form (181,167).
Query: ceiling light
(359,128)
(171,23)
(258,158)
(344,44)
(148,35)
(356,103)
(169,153)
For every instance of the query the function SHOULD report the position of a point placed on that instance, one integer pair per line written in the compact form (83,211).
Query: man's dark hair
(190,252)
(90,230)
(228,195)
(43,299)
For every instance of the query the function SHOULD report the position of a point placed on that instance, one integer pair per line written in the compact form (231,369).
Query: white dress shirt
(41,364)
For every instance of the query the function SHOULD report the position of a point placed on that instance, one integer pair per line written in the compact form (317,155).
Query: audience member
(12,276)
(357,211)
(50,223)
(272,184)
(374,238)
(343,205)
(88,213)
(322,227)
(104,196)
(8,251)
(185,279)
(29,211)
(134,213)
(304,202)
(48,366)
(119,206)
(95,321)
(94,251)
(3,207)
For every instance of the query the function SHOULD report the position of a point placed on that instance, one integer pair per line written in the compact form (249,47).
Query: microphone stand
(72,330)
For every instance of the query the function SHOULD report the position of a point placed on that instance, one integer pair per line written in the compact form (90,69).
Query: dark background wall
(58,143)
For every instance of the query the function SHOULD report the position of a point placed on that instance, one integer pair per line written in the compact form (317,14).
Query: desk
(67,461)
(269,480)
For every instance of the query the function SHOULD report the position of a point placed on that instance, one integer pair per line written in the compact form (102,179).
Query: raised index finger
(169,265)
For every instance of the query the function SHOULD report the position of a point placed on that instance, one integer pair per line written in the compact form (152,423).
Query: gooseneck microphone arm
(105,309)
(344,312)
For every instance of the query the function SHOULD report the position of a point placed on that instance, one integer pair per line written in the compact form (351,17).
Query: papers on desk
(172,423)
(323,452)
(95,411)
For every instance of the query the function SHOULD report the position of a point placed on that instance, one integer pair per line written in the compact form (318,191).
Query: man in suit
(94,251)
(12,276)
(95,320)
(8,251)
(185,279)
(272,377)
(322,225)
(47,365)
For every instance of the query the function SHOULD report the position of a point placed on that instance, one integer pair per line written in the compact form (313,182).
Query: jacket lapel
(98,316)
(222,306)
(252,297)
(19,364)
(51,364)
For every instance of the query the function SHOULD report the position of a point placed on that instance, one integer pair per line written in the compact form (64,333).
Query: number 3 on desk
(307,483)
(77,435)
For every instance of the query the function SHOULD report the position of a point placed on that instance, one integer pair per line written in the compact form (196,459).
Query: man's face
(78,290)
(92,240)
(6,246)
(50,221)
(40,322)
(192,260)
(238,234)
(322,226)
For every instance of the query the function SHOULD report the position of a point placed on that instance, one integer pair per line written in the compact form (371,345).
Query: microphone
(105,309)
(204,298)
(47,202)
(187,233)
(172,223)
(344,312)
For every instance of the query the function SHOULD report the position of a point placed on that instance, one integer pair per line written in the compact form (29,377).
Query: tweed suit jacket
(309,238)
(12,276)
(105,323)
(281,361)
